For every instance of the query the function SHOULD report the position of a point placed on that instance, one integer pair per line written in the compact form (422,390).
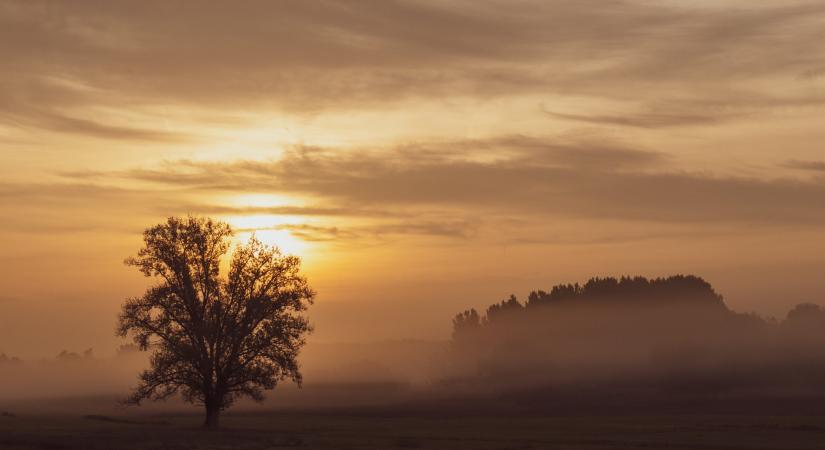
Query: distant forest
(675,330)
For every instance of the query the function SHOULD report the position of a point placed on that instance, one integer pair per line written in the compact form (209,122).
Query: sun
(271,229)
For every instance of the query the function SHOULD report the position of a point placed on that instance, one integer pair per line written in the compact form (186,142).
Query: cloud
(461,229)
(74,207)
(616,236)
(514,190)
(647,120)
(818,166)
(533,178)
(51,104)
(66,124)
(315,233)
(307,57)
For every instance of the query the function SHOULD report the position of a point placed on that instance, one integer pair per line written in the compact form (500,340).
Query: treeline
(625,292)
(674,329)
(72,356)
(5,359)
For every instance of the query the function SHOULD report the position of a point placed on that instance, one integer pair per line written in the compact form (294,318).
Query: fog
(664,336)
(335,374)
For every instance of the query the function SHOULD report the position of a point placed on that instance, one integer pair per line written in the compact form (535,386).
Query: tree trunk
(213,414)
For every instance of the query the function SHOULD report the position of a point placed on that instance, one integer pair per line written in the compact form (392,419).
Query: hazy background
(422,157)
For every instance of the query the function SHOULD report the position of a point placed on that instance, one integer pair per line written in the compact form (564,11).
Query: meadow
(784,423)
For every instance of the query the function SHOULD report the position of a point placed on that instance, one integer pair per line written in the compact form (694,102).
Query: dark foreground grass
(340,431)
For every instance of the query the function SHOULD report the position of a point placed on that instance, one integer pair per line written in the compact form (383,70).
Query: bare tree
(215,339)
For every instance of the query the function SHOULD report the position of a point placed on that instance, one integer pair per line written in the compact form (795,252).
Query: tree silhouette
(215,339)
(618,305)
(466,323)
(500,311)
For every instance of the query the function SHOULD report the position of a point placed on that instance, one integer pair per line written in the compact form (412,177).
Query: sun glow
(271,230)
(283,239)
(265,222)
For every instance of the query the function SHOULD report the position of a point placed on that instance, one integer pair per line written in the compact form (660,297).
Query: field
(284,430)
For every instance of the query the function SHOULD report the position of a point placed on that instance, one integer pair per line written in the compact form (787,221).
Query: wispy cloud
(300,56)
(376,231)
(645,120)
(818,166)
(535,178)
(76,125)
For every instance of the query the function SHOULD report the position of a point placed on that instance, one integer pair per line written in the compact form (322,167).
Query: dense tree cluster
(625,292)
(622,327)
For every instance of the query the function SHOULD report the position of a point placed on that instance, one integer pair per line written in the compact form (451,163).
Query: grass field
(530,419)
(339,431)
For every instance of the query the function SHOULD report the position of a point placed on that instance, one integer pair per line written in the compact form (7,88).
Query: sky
(421,157)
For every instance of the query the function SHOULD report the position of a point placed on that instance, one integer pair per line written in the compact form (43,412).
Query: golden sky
(423,157)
